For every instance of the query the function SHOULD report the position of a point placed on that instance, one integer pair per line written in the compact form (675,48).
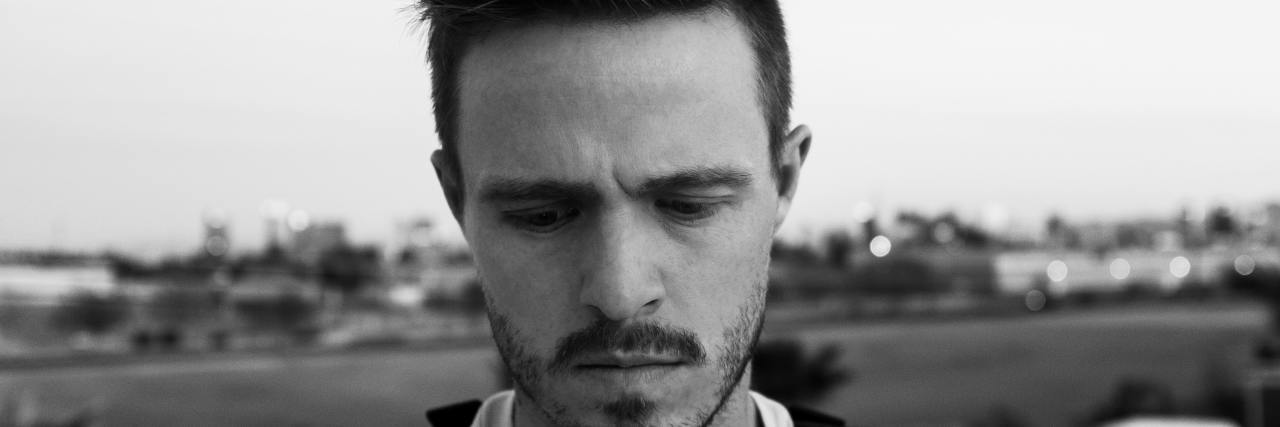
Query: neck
(738,408)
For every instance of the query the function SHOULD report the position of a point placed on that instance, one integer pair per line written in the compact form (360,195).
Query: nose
(622,279)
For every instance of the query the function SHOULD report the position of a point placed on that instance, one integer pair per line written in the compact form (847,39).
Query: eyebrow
(698,177)
(517,190)
(503,189)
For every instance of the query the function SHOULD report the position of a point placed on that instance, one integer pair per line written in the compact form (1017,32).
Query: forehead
(559,98)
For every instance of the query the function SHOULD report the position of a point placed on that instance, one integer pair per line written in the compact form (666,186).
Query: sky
(123,123)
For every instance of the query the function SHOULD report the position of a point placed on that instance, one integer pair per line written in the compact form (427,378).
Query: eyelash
(533,219)
(702,210)
(548,219)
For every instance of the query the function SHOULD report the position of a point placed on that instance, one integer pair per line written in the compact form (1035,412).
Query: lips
(628,361)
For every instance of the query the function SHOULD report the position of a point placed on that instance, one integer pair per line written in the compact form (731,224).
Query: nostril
(651,306)
(618,304)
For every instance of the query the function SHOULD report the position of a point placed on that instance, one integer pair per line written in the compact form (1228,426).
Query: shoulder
(493,412)
(458,414)
(805,417)
(773,414)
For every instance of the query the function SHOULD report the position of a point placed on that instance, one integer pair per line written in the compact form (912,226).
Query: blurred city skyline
(123,124)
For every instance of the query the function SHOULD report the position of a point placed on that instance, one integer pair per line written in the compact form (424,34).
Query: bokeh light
(880,246)
(1180,267)
(1057,271)
(1245,265)
(944,233)
(1035,300)
(216,246)
(1120,268)
(299,220)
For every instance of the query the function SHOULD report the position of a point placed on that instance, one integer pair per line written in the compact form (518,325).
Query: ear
(447,174)
(794,150)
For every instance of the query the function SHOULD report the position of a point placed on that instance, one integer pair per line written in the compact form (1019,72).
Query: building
(50,282)
(311,243)
(426,267)
(1067,272)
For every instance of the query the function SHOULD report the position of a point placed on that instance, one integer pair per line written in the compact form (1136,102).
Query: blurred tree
(1135,397)
(184,270)
(870,229)
(282,312)
(917,229)
(784,371)
(965,234)
(1062,234)
(473,297)
(348,269)
(1262,282)
(1221,224)
(470,300)
(407,256)
(274,254)
(124,266)
(1131,236)
(91,313)
(897,276)
(839,245)
(798,253)
(1054,225)
(177,306)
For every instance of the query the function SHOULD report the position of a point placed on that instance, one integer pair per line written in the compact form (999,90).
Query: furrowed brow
(698,177)
(518,190)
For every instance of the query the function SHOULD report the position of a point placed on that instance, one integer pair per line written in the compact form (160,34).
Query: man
(619,169)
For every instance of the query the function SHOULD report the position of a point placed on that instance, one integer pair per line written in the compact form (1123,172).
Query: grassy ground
(1047,369)
(1051,369)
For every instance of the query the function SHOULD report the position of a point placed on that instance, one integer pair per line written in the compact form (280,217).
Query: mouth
(628,361)
(608,374)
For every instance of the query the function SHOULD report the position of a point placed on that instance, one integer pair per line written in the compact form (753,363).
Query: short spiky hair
(453,23)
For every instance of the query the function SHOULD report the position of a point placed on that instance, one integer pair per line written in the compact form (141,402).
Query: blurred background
(1014,213)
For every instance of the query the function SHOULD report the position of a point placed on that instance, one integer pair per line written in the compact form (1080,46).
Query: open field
(1048,369)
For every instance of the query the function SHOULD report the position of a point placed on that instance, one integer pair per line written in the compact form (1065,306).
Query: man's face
(618,196)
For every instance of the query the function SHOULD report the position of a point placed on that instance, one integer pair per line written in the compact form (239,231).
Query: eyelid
(710,206)
(519,218)
(701,197)
(700,200)
(517,206)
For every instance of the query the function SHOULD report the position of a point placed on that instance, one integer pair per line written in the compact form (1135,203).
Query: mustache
(606,337)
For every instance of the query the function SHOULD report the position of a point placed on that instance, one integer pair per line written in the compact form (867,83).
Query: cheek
(717,278)
(526,286)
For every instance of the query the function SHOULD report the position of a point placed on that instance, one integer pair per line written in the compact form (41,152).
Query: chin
(658,404)
(639,411)
(653,383)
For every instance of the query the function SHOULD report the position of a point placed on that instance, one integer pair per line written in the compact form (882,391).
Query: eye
(543,219)
(688,210)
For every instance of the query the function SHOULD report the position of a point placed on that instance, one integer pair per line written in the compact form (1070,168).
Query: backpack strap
(805,417)
(456,415)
